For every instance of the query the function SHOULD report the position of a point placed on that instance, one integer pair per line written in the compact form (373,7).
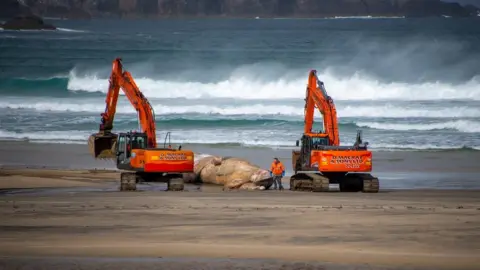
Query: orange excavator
(321,160)
(136,153)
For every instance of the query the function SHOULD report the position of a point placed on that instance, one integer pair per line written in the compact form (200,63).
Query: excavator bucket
(102,146)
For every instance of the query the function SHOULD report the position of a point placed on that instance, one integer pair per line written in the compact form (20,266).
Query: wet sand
(396,170)
(49,214)
(76,156)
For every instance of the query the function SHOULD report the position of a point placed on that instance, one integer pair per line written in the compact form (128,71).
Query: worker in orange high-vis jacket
(277,170)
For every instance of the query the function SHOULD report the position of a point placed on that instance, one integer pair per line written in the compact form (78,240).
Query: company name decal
(346,160)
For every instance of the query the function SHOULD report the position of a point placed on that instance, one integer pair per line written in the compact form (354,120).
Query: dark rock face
(240,8)
(11,8)
(27,22)
(429,8)
(473,10)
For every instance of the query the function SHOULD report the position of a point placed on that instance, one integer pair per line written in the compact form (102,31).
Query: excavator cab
(309,142)
(126,143)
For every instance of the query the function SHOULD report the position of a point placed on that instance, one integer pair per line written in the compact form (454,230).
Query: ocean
(408,84)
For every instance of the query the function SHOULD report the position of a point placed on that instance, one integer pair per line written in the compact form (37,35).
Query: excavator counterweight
(321,160)
(136,153)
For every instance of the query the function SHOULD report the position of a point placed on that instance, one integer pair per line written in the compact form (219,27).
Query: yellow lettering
(346,160)
(172,156)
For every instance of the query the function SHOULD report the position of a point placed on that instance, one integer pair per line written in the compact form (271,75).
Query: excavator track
(352,182)
(175,184)
(309,182)
(370,183)
(355,182)
(174,181)
(128,181)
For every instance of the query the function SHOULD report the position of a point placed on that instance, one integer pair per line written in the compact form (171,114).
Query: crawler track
(129,180)
(367,183)
(175,184)
(309,182)
(352,182)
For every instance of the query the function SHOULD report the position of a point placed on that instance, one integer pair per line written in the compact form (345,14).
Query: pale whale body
(231,172)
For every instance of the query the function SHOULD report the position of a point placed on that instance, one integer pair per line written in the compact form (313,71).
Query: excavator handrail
(319,99)
(165,140)
(120,79)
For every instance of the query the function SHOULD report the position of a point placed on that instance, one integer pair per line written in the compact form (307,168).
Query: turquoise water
(407,83)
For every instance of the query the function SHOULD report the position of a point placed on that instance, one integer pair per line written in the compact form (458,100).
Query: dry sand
(389,230)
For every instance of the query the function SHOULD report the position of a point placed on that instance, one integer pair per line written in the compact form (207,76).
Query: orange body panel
(178,161)
(342,161)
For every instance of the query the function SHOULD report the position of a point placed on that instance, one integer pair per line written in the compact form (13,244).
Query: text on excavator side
(346,160)
(172,156)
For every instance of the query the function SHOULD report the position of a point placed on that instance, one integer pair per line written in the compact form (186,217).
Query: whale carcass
(231,172)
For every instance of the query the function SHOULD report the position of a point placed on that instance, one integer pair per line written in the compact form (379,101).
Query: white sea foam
(250,140)
(242,85)
(458,125)
(257,108)
(70,30)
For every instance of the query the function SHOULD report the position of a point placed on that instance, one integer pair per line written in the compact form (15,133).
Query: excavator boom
(102,144)
(317,97)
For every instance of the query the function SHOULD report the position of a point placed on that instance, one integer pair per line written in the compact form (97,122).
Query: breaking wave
(246,86)
(459,125)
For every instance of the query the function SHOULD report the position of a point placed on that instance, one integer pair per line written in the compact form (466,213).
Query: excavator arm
(102,144)
(317,97)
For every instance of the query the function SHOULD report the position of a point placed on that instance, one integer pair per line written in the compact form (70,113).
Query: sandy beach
(64,211)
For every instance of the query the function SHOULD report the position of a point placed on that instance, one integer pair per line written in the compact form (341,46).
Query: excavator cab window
(306,148)
(121,144)
(128,142)
(139,141)
(318,142)
(121,148)
(309,144)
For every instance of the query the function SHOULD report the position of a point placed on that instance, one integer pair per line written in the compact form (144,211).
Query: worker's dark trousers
(277,180)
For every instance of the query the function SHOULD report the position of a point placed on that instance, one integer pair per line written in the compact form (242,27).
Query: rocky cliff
(233,8)
(12,8)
